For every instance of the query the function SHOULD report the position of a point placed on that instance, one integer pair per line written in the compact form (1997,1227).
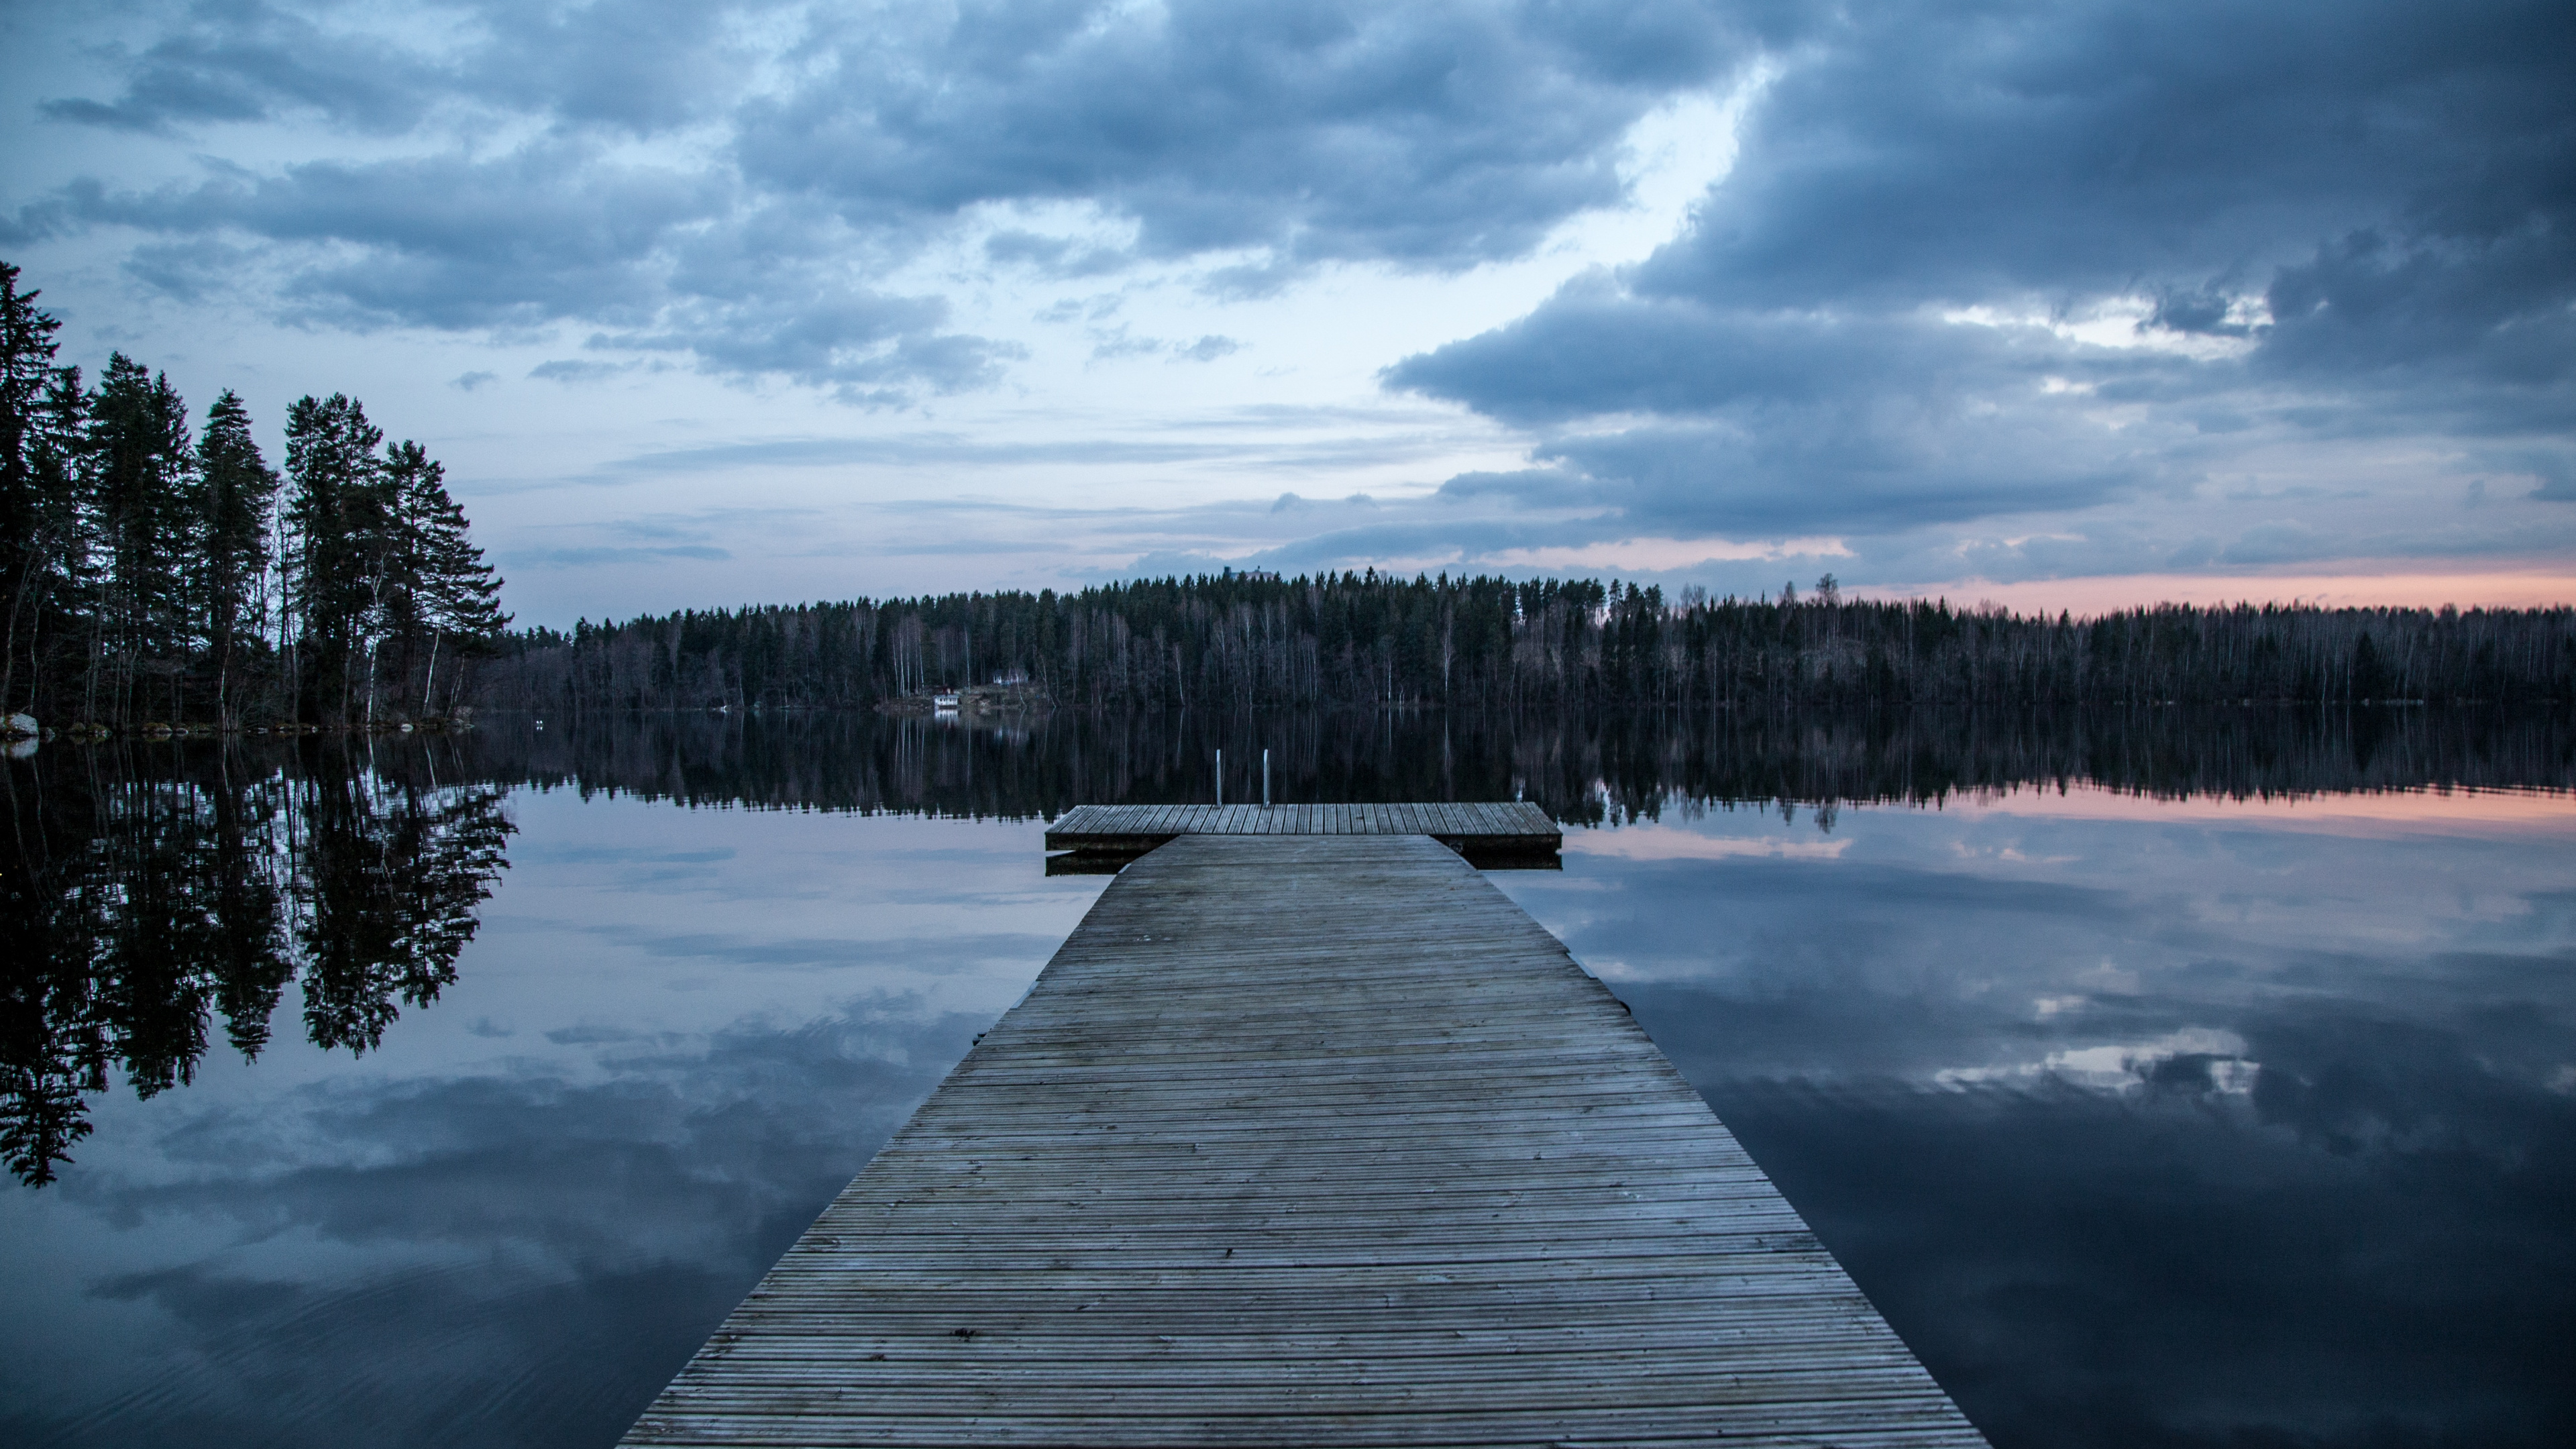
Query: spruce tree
(460,595)
(237,492)
(35,502)
(442,592)
(143,524)
(62,581)
(340,524)
(152,550)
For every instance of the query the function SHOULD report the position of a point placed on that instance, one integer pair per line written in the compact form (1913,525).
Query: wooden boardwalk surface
(1308,1140)
(1507,825)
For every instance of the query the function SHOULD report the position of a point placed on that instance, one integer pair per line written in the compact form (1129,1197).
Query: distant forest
(158,574)
(1242,640)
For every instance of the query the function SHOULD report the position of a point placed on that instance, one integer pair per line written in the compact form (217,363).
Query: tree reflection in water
(2309,1190)
(152,891)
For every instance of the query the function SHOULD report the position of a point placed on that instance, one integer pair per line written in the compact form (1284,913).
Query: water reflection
(2246,1123)
(1585,770)
(149,896)
(2236,1112)
(675,1035)
(154,890)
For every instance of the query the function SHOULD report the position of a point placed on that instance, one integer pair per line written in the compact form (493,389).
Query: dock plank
(1308,1138)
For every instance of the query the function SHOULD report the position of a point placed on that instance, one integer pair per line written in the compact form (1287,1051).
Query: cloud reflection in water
(2147,1121)
(2228,1123)
(513,1222)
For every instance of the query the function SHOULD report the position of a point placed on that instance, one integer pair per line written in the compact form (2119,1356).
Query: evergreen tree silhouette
(237,492)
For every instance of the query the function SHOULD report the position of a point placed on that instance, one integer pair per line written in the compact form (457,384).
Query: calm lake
(2165,1080)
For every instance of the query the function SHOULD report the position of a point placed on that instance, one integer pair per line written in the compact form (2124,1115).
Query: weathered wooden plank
(1513,825)
(1305,1138)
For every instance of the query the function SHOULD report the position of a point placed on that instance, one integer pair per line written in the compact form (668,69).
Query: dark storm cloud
(1865,466)
(2481,329)
(2376,202)
(660,260)
(1783,422)
(1975,149)
(538,235)
(2369,204)
(863,344)
(239,60)
(1434,135)
(1430,134)
(636,65)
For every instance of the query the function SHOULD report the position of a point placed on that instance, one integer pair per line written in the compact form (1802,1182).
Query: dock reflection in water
(2161,1119)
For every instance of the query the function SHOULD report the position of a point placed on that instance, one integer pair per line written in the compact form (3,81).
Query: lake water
(2237,1112)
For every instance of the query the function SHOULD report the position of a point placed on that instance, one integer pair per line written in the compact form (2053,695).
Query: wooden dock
(1478,829)
(1308,1140)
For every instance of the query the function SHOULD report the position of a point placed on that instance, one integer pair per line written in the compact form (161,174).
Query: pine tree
(396,575)
(153,551)
(63,583)
(340,526)
(143,523)
(237,491)
(35,503)
(455,596)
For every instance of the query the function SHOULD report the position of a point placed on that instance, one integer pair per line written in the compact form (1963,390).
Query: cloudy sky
(2072,304)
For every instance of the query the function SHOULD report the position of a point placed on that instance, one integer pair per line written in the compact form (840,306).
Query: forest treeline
(156,572)
(1247,640)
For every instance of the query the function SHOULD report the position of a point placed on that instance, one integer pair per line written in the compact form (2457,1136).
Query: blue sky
(2066,304)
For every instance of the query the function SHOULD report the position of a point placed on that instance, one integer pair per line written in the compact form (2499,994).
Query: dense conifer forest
(1244,640)
(157,573)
